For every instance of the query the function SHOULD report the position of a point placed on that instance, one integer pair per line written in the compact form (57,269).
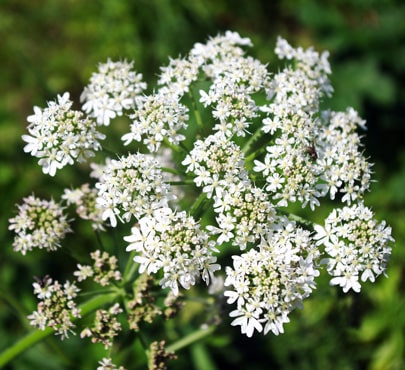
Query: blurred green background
(49,46)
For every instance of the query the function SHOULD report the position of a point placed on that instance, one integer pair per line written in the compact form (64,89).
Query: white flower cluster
(39,224)
(107,364)
(59,135)
(254,144)
(243,216)
(345,170)
(270,281)
(104,270)
(290,166)
(56,308)
(130,186)
(243,210)
(177,77)
(235,79)
(174,243)
(217,164)
(111,91)
(84,198)
(314,152)
(157,117)
(356,245)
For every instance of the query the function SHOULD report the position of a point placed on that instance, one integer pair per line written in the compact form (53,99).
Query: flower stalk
(36,336)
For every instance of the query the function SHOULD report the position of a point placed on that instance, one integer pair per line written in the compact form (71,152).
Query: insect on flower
(312,152)
(42,282)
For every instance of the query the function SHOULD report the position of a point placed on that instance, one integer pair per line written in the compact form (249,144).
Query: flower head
(59,135)
(39,224)
(131,186)
(357,246)
(112,90)
(268,283)
(156,117)
(174,243)
(107,364)
(106,326)
(84,198)
(56,307)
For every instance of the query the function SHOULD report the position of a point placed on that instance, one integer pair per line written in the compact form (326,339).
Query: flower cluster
(84,198)
(59,135)
(356,245)
(244,215)
(345,170)
(106,326)
(270,281)
(143,306)
(174,243)
(131,186)
(107,364)
(290,167)
(56,307)
(159,356)
(112,90)
(39,224)
(217,164)
(243,210)
(234,81)
(103,271)
(222,150)
(157,117)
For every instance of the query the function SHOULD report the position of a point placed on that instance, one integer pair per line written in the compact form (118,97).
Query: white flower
(155,118)
(59,135)
(39,224)
(247,319)
(267,284)
(83,272)
(111,91)
(174,243)
(349,280)
(107,364)
(356,246)
(131,187)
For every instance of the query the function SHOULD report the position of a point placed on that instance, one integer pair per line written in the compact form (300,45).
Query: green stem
(184,182)
(15,306)
(36,336)
(298,219)
(197,205)
(196,111)
(130,268)
(172,146)
(171,170)
(191,338)
(99,241)
(253,139)
(255,154)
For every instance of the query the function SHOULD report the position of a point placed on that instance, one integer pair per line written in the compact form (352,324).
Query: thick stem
(36,336)
(190,339)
